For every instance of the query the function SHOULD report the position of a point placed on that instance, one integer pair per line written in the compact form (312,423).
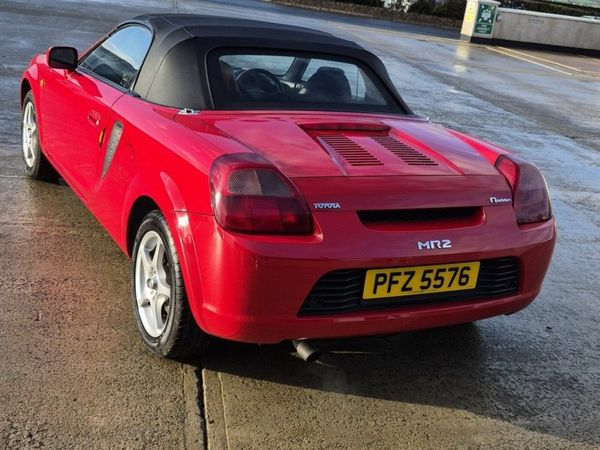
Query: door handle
(94,117)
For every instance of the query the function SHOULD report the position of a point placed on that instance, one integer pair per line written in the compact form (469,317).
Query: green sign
(485,19)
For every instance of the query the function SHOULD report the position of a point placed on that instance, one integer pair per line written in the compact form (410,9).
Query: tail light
(249,195)
(531,200)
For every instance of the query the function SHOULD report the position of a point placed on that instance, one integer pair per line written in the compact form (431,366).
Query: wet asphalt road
(74,373)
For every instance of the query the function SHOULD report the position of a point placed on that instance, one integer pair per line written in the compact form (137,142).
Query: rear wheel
(37,165)
(159,300)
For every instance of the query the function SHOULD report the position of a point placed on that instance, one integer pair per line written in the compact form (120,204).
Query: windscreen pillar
(478,23)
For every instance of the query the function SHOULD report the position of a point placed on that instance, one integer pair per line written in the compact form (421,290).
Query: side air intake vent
(404,151)
(353,153)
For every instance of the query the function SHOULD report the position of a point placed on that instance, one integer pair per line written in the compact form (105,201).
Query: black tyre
(159,300)
(37,165)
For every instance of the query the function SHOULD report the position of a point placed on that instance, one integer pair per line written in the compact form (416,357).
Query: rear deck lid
(317,145)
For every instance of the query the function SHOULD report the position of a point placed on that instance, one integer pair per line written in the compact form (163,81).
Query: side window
(119,58)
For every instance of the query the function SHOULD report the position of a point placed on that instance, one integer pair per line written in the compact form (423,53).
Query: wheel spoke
(30,121)
(152,317)
(157,258)
(142,298)
(146,261)
(163,289)
(27,119)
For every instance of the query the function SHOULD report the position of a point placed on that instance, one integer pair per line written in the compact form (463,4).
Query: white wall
(550,29)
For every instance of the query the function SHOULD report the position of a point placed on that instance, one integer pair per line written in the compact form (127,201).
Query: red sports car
(269,183)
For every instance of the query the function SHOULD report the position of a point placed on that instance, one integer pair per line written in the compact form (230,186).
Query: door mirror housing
(63,58)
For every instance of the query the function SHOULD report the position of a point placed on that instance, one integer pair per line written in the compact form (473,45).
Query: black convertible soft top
(174,72)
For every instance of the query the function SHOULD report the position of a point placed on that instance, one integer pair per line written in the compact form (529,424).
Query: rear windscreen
(296,81)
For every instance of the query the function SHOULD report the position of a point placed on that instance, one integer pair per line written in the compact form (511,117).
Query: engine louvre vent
(405,152)
(353,153)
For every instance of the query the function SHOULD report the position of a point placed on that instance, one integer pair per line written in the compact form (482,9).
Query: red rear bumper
(251,288)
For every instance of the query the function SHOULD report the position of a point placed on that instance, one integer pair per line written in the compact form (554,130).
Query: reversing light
(531,200)
(249,195)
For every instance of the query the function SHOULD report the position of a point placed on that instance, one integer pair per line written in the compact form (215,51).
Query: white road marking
(502,50)
(512,55)
(542,59)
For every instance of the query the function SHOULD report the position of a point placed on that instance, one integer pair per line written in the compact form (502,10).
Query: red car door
(77,105)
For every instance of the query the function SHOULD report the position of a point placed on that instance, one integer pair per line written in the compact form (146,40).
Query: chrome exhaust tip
(306,350)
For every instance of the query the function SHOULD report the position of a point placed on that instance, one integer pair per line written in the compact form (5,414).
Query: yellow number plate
(402,281)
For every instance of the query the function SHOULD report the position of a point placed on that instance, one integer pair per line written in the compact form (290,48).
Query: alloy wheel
(29,135)
(152,284)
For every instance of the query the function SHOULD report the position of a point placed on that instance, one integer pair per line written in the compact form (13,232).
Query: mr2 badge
(432,245)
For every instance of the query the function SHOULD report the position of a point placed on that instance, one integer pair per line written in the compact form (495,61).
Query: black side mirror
(63,58)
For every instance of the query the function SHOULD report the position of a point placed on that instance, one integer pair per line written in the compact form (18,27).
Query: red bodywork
(251,287)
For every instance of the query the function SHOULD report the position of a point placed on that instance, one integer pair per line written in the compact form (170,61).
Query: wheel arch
(145,194)
(159,191)
(31,82)
(140,209)
(25,88)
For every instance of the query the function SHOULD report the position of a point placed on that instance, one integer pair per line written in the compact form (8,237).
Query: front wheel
(160,303)
(37,165)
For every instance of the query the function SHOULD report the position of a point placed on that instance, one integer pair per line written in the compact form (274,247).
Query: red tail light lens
(531,200)
(249,195)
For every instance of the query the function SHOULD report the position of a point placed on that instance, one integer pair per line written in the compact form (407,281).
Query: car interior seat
(328,84)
